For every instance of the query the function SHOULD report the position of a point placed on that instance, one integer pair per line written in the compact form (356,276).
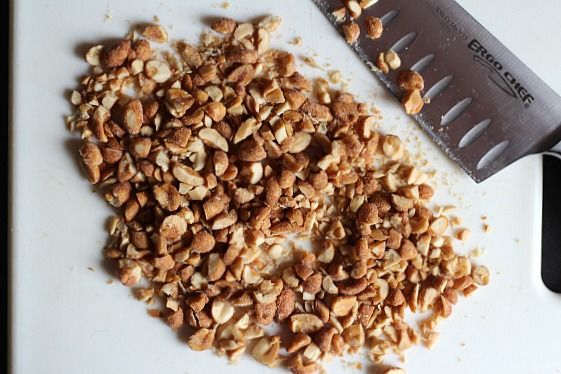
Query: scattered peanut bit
(411,83)
(355,10)
(224,26)
(335,76)
(225,151)
(412,101)
(270,23)
(393,147)
(410,80)
(144,294)
(480,275)
(297,41)
(430,339)
(455,221)
(392,59)
(116,55)
(266,350)
(93,56)
(374,27)
(351,31)
(155,33)
(340,14)
(463,234)
(381,63)
(201,340)
(438,226)
(476,252)
(310,61)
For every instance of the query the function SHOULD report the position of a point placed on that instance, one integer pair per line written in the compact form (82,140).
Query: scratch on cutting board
(108,14)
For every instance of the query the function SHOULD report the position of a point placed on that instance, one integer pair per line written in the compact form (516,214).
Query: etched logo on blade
(502,78)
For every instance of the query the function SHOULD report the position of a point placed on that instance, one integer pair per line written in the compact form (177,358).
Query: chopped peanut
(412,101)
(224,26)
(155,33)
(392,59)
(381,63)
(410,80)
(351,31)
(374,27)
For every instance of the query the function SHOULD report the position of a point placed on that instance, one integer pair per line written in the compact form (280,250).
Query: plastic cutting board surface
(66,319)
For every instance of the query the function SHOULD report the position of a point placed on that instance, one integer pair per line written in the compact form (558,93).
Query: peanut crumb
(456,221)
(476,253)
(412,101)
(463,234)
(297,41)
(335,76)
(310,61)
(154,313)
(374,27)
(351,31)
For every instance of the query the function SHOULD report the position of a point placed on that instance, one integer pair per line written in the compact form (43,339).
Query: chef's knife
(487,109)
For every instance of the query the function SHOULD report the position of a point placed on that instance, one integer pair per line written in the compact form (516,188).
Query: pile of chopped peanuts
(219,162)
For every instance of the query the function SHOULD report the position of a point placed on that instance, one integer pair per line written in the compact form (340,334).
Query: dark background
(551,259)
(4,145)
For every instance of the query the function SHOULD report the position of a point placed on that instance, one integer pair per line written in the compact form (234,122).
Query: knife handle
(555,151)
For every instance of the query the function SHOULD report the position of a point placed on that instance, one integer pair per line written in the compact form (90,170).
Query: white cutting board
(66,319)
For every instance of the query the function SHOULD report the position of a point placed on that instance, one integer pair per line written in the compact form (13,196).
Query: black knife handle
(551,224)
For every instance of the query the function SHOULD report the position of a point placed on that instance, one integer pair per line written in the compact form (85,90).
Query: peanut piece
(155,33)
(351,31)
(412,101)
(374,27)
